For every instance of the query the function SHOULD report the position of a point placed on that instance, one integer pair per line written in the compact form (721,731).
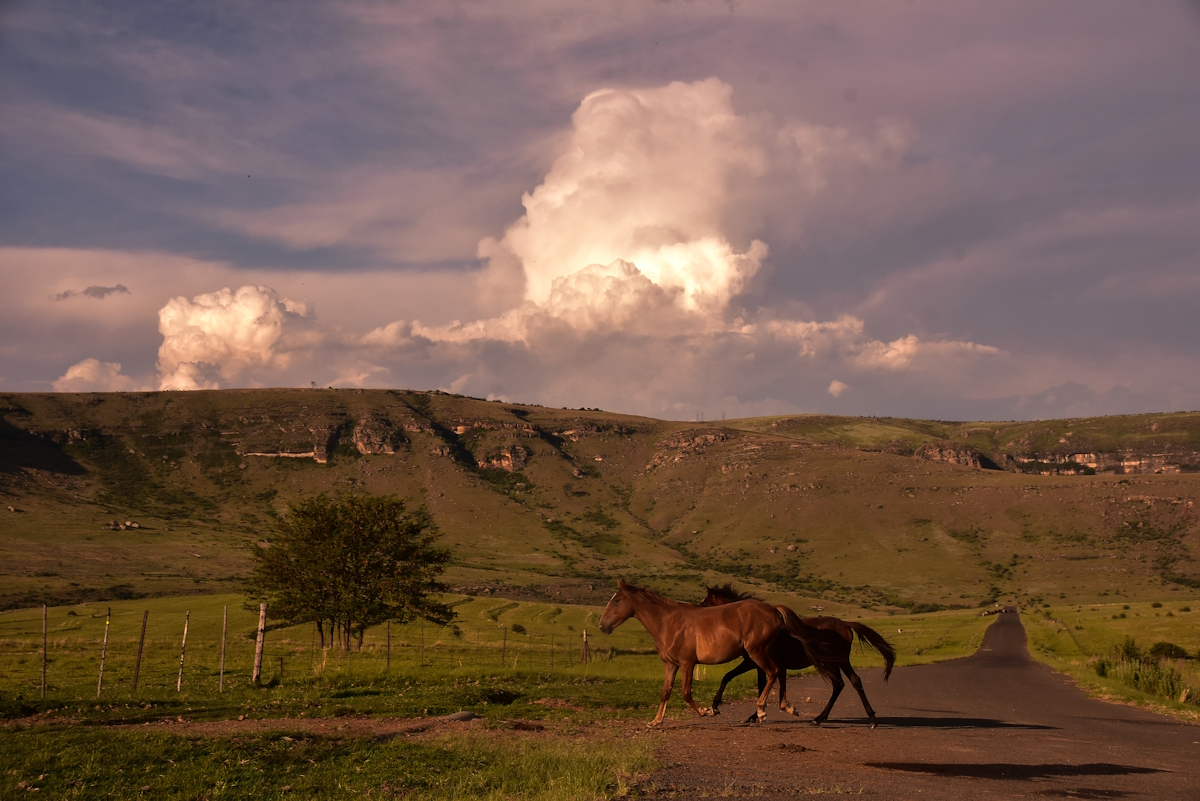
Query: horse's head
(619,609)
(723,594)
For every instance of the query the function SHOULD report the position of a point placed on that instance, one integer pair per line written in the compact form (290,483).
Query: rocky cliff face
(1126,462)
(954,453)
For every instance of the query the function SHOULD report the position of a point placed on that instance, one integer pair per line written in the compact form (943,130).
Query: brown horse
(791,656)
(687,635)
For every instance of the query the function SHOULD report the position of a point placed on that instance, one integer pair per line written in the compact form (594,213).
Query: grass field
(544,732)
(820,513)
(1069,639)
(590,496)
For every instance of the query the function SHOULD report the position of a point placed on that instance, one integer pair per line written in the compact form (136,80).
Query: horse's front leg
(746,666)
(668,682)
(688,671)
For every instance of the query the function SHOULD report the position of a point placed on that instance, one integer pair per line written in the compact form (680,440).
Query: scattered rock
(465,715)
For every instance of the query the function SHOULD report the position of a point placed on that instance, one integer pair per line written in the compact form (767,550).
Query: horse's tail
(820,646)
(874,639)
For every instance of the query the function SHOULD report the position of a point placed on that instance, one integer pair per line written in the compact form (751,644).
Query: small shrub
(1167,650)
(1185,609)
(1156,605)
(1126,606)
(1129,649)
(1128,664)
(517,628)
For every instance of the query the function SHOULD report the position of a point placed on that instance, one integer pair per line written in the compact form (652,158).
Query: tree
(352,562)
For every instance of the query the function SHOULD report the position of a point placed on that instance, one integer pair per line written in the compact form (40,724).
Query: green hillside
(553,504)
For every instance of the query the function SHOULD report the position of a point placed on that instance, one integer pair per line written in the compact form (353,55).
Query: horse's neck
(651,615)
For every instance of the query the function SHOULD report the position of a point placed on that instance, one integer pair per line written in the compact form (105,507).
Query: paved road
(993,725)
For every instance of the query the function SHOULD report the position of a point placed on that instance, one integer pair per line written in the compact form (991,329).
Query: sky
(688,210)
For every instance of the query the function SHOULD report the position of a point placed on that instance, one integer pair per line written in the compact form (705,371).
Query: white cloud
(93,375)
(904,352)
(836,388)
(644,180)
(220,335)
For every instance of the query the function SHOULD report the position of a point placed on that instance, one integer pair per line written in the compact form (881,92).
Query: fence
(131,652)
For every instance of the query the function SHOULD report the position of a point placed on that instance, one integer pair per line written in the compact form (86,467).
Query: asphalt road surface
(993,725)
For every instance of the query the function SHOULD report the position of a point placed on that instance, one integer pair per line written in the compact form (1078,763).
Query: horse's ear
(621,584)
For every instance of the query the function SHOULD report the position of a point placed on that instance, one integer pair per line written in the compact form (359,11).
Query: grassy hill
(553,504)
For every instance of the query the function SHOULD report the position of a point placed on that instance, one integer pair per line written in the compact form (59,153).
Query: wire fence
(137,651)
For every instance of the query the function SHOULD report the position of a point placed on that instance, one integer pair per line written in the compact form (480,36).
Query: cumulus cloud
(643,183)
(625,280)
(93,375)
(96,292)
(220,335)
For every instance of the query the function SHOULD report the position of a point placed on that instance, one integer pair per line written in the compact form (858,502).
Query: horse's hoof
(753,718)
(760,716)
(873,723)
(716,710)
(705,713)
(653,724)
(791,710)
(817,721)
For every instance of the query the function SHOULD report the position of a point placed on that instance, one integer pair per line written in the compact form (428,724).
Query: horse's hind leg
(838,685)
(760,713)
(783,701)
(856,683)
(669,672)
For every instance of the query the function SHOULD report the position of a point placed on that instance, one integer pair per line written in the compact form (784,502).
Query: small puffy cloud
(93,375)
(836,388)
(220,335)
(903,352)
(96,292)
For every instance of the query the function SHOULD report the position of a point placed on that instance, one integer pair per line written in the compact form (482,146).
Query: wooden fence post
(224,626)
(137,666)
(258,645)
(43,652)
(584,655)
(182,650)
(103,651)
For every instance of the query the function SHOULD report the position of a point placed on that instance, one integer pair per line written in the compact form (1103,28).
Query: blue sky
(953,210)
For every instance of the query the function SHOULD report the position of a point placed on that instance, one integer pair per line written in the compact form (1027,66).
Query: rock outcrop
(954,453)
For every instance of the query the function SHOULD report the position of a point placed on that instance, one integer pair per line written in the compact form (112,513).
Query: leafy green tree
(351,562)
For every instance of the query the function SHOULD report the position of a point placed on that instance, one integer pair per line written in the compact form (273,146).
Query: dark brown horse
(687,635)
(791,656)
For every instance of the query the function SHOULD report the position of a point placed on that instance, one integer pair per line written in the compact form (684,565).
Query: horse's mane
(647,594)
(727,593)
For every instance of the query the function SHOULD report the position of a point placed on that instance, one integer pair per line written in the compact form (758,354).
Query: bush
(1167,650)
(1156,605)
(1128,664)
(517,628)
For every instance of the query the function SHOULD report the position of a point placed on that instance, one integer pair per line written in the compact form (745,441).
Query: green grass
(1072,640)
(675,505)
(71,763)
